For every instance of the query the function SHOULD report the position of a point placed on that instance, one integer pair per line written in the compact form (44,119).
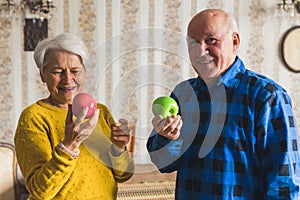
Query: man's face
(212,45)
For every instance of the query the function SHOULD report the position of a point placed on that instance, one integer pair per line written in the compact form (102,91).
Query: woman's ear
(42,77)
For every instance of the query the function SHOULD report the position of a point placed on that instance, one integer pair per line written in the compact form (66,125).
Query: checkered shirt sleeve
(255,155)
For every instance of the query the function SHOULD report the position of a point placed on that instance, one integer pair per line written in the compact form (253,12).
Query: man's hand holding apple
(166,122)
(168,127)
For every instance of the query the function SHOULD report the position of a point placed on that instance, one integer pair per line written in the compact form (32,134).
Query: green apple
(164,106)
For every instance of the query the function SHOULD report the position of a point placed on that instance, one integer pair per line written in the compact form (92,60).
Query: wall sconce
(38,8)
(35,14)
(8,9)
(41,8)
(289,6)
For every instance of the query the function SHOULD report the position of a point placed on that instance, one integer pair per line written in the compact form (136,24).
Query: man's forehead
(207,25)
(207,31)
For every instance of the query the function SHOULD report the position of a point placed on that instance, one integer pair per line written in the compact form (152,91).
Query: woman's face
(64,75)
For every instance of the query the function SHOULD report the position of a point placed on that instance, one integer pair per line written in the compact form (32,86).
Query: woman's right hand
(169,127)
(80,129)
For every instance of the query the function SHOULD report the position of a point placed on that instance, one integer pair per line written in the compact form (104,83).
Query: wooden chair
(11,180)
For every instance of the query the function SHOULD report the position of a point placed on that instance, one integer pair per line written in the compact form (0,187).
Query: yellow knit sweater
(51,173)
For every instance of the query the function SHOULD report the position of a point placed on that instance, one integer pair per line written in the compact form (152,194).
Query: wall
(138,52)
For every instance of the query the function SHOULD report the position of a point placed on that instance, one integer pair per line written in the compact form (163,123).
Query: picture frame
(290,49)
(35,30)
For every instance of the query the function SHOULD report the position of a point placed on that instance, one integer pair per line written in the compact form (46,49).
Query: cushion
(7,176)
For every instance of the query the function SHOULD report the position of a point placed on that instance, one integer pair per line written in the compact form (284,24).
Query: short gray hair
(233,24)
(65,42)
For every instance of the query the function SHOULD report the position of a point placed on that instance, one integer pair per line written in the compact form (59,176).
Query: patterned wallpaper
(137,53)
(6,71)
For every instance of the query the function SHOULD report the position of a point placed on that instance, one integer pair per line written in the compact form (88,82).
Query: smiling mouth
(206,62)
(68,89)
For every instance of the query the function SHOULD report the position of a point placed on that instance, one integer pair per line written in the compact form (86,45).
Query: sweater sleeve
(123,165)
(45,169)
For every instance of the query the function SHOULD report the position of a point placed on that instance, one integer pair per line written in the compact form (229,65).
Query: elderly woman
(60,156)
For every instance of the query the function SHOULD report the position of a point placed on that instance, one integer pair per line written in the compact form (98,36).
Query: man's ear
(236,41)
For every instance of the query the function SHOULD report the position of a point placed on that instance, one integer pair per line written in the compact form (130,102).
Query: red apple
(82,100)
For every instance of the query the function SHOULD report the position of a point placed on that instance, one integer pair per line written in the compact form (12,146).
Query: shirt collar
(232,77)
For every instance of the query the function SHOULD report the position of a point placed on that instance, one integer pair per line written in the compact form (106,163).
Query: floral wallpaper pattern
(257,20)
(129,45)
(87,24)
(123,21)
(5,74)
(65,16)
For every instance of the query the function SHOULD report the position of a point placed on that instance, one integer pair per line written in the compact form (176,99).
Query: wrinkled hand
(120,133)
(169,127)
(80,129)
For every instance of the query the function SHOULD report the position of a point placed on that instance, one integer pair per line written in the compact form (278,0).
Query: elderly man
(235,136)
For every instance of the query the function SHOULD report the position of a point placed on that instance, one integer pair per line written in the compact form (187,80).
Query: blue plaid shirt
(238,141)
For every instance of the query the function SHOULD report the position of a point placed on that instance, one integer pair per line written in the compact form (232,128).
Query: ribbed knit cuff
(64,148)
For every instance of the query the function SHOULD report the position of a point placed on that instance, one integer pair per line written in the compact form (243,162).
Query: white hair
(66,42)
(232,21)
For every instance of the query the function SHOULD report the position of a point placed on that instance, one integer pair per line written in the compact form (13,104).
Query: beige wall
(133,63)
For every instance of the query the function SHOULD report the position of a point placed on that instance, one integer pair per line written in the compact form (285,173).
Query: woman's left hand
(120,134)
(79,130)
